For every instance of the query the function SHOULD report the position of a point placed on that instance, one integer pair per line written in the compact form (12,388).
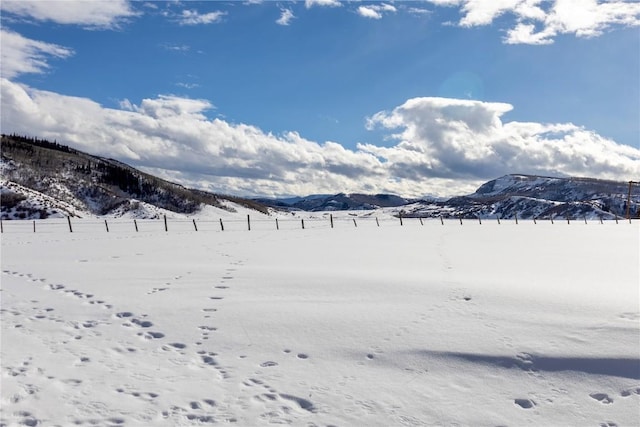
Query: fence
(323,221)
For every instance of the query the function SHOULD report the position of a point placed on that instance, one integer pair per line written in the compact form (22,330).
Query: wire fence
(164,224)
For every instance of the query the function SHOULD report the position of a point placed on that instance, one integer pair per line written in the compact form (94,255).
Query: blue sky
(286,98)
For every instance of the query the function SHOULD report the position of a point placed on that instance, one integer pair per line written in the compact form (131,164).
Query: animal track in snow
(268,364)
(151,335)
(525,403)
(602,398)
(628,392)
(124,314)
(283,398)
(149,396)
(142,323)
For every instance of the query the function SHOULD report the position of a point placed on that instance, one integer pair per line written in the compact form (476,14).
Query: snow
(475,324)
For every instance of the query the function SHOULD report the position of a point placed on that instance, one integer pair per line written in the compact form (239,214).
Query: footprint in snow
(630,391)
(151,335)
(602,398)
(525,403)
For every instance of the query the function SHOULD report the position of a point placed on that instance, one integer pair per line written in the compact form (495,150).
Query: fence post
(601,219)
(585,219)
(248,222)
(400,216)
(106,225)
(516,218)
(277,226)
(221,225)
(194,224)
(166,228)
(377,222)
(135,223)
(568,219)
(421,223)
(616,218)
(460,217)
(34,226)
(441,220)
(69,221)
(1,227)
(551,216)
(479,220)
(534,220)
(331,219)
(498,218)
(302,223)
(354,223)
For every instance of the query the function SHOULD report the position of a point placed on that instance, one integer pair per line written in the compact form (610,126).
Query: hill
(42,178)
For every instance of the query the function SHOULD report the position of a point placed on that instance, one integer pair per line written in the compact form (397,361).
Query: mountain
(42,178)
(524,196)
(337,202)
(531,196)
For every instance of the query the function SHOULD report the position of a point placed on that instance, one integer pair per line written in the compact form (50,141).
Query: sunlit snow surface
(475,324)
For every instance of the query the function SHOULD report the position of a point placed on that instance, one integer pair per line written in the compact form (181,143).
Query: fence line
(79,225)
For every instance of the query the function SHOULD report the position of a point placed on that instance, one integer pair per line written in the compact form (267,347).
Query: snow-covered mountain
(524,196)
(530,196)
(42,179)
(336,202)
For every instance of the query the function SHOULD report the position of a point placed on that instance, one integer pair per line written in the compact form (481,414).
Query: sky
(278,98)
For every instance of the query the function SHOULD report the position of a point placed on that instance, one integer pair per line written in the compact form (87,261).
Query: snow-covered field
(476,324)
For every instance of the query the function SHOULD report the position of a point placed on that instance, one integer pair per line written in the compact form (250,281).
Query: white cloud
(463,139)
(441,145)
(540,21)
(418,11)
(369,12)
(99,14)
(286,15)
(188,85)
(527,34)
(328,3)
(21,55)
(175,47)
(375,11)
(193,17)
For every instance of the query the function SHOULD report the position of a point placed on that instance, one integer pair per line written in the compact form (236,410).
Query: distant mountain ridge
(336,202)
(42,178)
(525,196)
(532,196)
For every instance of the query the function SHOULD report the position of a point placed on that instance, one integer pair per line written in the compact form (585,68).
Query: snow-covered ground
(475,324)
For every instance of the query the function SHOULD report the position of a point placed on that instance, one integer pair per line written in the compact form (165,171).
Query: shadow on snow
(611,366)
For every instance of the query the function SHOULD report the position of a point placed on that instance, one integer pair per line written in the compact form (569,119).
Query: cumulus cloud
(441,146)
(464,139)
(375,11)
(540,21)
(286,15)
(328,3)
(99,14)
(193,17)
(21,55)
